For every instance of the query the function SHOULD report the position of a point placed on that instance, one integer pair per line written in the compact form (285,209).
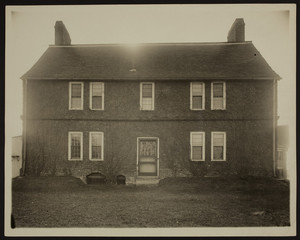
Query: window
(218,96)
(75,145)
(76,96)
(96,146)
(147,96)
(197,146)
(97,96)
(197,93)
(218,146)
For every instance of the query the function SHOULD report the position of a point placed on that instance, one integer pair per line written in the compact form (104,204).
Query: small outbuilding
(16,156)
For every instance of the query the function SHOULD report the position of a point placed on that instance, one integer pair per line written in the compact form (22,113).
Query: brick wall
(244,100)
(249,145)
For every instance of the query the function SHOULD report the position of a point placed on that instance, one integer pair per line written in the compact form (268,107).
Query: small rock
(258,213)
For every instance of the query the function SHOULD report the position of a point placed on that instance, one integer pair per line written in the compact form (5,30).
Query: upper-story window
(218,96)
(147,96)
(97,96)
(197,142)
(197,96)
(76,96)
(218,146)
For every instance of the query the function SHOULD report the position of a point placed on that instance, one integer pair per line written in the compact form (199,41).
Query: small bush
(198,169)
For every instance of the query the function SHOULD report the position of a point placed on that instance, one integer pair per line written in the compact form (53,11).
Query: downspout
(275,117)
(24,118)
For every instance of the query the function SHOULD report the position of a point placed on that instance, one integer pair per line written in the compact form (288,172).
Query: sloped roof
(152,61)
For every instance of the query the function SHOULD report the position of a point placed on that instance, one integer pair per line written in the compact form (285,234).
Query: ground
(175,202)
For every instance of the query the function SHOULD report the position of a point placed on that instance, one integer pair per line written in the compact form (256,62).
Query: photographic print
(150,120)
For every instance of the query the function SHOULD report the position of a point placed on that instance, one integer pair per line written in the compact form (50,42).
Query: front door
(147,156)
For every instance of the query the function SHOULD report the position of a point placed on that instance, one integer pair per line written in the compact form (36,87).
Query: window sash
(218,96)
(76,96)
(96,95)
(96,145)
(75,146)
(218,146)
(147,96)
(197,142)
(197,93)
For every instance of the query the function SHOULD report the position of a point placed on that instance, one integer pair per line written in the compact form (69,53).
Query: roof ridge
(175,43)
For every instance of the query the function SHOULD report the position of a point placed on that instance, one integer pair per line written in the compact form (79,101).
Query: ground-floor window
(197,143)
(218,146)
(75,146)
(96,146)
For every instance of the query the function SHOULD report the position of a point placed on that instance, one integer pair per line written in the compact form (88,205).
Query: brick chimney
(62,36)
(237,31)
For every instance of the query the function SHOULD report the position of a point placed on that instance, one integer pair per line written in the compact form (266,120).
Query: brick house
(150,110)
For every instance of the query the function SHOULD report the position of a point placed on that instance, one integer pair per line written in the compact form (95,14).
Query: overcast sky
(30,30)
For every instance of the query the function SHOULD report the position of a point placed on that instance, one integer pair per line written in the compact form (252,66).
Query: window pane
(218,89)
(218,103)
(76,90)
(197,152)
(218,153)
(147,103)
(197,139)
(97,89)
(96,140)
(75,145)
(197,102)
(96,102)
(147,90)
(197,89)
(218,139)
(96,152)
(76,102)
(96,145)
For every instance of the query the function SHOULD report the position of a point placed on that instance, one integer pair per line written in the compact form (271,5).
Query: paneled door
(147,156)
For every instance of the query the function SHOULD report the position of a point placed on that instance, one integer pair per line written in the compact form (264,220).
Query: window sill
(96,109)
(218,160)
(198,160)
(96,160)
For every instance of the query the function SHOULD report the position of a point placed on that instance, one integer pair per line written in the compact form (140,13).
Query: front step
(146,181)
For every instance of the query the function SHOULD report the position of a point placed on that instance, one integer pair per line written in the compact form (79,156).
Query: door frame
(137,156)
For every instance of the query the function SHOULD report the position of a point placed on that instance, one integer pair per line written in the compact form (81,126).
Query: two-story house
(150,110)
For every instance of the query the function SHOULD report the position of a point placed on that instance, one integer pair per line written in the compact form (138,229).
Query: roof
(152,61)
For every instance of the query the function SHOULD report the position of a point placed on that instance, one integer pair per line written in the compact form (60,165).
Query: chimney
(62,36)
(237,31)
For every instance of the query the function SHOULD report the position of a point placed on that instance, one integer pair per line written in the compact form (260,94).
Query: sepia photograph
(150,120)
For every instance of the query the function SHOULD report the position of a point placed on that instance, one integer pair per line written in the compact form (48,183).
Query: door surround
(137,156)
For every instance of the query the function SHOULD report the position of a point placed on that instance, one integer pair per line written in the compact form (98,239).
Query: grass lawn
(175,202)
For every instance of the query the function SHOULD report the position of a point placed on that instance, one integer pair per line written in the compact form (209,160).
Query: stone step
(147,181)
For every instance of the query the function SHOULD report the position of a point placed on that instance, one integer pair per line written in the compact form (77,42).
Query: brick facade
(247,121)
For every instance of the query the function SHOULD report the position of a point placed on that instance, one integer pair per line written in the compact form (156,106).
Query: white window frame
(70,143)
(224,96)
(91,96)
(203,146)
(70,96)
(212,147)
(203,97)
(90,146)
(141,96)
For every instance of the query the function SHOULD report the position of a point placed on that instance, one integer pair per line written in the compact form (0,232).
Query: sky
(30,30)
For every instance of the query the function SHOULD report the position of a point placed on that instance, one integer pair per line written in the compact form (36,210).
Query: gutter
(275,104)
